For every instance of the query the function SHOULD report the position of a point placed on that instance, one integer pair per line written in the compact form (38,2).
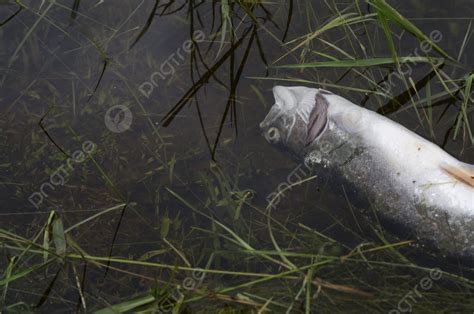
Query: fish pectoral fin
(462,172)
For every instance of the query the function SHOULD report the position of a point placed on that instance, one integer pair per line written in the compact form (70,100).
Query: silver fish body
(401,176)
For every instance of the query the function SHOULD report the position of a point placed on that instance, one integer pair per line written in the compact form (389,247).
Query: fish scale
(407,179)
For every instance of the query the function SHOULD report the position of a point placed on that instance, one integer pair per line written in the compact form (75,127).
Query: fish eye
(273,135)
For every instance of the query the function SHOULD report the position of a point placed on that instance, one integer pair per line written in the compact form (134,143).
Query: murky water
(111,106)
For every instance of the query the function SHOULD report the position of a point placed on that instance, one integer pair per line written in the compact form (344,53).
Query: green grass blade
(389,12)
(359,63)
(388,33)
(59,238)
(47,235)
(127,306)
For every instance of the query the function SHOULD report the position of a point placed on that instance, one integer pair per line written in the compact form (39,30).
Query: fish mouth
(271,116)
(283,100)
(309,106)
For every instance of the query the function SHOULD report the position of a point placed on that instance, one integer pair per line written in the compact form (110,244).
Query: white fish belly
(412,162)
(415,164)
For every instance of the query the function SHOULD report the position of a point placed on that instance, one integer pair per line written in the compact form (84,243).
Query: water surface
(186,157)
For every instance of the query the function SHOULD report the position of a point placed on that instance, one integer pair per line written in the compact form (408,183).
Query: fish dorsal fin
(461,171)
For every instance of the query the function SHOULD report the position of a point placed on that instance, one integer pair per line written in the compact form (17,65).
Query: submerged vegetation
(170,211)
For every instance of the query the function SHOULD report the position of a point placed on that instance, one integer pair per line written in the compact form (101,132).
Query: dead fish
(407,179)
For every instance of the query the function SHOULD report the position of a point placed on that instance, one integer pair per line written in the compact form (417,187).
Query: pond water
(136,124)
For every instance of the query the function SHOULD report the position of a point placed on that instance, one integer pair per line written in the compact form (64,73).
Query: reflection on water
(171,94)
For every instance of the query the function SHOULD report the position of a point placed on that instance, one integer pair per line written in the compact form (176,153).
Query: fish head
(297,119)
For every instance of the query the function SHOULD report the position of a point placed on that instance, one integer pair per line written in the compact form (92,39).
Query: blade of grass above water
(359,63)
(386,10)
